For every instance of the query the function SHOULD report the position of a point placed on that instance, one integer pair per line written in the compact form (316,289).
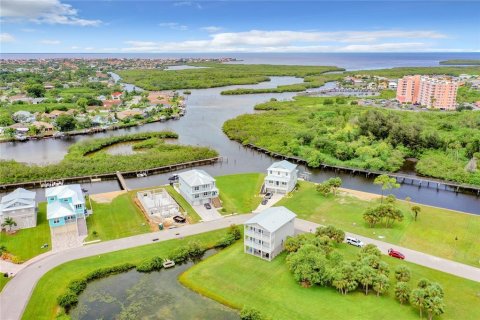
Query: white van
(355,242)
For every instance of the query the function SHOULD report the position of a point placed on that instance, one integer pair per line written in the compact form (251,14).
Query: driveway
(274,199)
(17,292)
(207,214)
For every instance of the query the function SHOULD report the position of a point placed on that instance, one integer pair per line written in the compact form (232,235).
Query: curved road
(17,292)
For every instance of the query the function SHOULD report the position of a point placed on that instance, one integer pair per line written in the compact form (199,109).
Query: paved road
(15,295)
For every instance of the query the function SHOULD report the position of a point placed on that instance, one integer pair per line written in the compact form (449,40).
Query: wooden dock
(401,178)
(119,176)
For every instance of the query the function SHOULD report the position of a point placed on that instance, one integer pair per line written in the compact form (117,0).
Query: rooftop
(284,164)
(196,177)
(273,218)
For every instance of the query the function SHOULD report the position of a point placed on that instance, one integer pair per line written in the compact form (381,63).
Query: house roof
(273,218)
(196,177)
(59,209)
(73,191)
(116,94)
(25,198)
(284,164)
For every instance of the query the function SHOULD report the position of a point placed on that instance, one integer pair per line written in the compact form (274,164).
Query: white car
(355,242)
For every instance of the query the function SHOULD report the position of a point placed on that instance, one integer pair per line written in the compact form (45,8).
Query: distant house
(45,128)
(128,114)
(37,100)
(281,177)
(197,187)
(20,205)
(66,207)
(20,97)
(265,233)
(156,97)
(23,116)
(101,98)
(117,95)
(392,85)
(20,128)
(49,86)
(110,104)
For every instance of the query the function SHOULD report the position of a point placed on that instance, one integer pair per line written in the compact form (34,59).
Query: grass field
(440,232)
(26,243)
(240,192)
(237,279)
(118,219)
(43,303)
(3,282)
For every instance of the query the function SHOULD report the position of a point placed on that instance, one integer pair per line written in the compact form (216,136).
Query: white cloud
(6,37)
(296,41)
(50,42)
(212,29)
(43,11)
(187,4)
(173,26)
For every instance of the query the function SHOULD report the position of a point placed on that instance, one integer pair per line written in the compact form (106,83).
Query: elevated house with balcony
(19,205)
(197,187)
(281,177)
(66,209)
(265,233)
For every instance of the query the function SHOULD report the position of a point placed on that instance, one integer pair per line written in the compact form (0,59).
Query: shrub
(154,264)
(103,272)
(67,300)
(248,313)
(226,241)
(77,286)
(235,231)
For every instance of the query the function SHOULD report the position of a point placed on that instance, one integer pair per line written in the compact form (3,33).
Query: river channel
(207,110)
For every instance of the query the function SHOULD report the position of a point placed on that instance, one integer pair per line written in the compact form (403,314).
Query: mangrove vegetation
(89,157)
(332,131)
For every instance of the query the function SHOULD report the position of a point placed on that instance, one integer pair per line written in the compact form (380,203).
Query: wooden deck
(401,178)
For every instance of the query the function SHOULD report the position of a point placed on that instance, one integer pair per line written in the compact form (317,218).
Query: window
(55,221)
(196,196)
(205,193)
(196,188)
(78,206)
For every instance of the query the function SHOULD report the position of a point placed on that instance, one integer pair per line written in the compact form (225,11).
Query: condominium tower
(432,92)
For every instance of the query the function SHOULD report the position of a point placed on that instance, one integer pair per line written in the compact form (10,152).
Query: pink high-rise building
(432,92)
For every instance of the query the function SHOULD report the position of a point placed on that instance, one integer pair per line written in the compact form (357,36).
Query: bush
(228,240)
(103,272)
(154,264)
(248,313)
(235,231)
(67,300)
(77,286)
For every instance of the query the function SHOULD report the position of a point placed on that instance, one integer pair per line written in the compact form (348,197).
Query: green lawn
(118,219)
(26,243)
(440,232)
(240,192)
(237,279)
(187,208)
(3,282)
(43,303)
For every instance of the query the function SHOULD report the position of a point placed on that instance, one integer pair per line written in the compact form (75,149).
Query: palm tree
(9,222)
(416,210)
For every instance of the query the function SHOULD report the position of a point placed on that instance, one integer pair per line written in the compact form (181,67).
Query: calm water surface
(156,295)
(207,110)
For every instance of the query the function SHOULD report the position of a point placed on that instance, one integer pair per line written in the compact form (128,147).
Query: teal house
(65,205)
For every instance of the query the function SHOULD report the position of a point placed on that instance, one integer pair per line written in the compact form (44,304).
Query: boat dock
(401,178)
(119,176)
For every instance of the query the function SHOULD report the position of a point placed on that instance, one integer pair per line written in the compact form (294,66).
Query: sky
(38,26)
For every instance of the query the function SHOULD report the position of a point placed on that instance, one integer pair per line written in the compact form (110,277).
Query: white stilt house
(265,233)
(281,177)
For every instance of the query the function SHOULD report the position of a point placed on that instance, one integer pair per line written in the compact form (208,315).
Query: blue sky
(238,26)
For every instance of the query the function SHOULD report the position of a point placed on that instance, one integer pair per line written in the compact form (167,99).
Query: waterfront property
(197,187)
(265,233)
(432,92)
(20,206)
(66,214)
(281,177)
(158,204)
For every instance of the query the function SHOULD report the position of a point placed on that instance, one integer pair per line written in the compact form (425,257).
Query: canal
(207,110)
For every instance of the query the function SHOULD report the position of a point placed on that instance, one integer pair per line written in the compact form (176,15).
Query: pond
(156,295)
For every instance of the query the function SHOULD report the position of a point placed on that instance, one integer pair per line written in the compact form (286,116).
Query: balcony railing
(252,244)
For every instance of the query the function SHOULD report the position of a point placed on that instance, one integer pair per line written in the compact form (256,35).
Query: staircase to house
(216,202)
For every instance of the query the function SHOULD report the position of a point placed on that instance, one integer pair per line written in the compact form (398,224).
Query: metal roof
(273,218)
(284,164)
(196,177)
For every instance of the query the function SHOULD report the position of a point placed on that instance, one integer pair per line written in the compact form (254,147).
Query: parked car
(264,201)
(395,254)
(207,206)
(173,178)
(268,195)
(355,242)
(155,239)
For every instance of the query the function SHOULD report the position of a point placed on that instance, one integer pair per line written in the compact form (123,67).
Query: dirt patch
(106,197)
(360,194)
